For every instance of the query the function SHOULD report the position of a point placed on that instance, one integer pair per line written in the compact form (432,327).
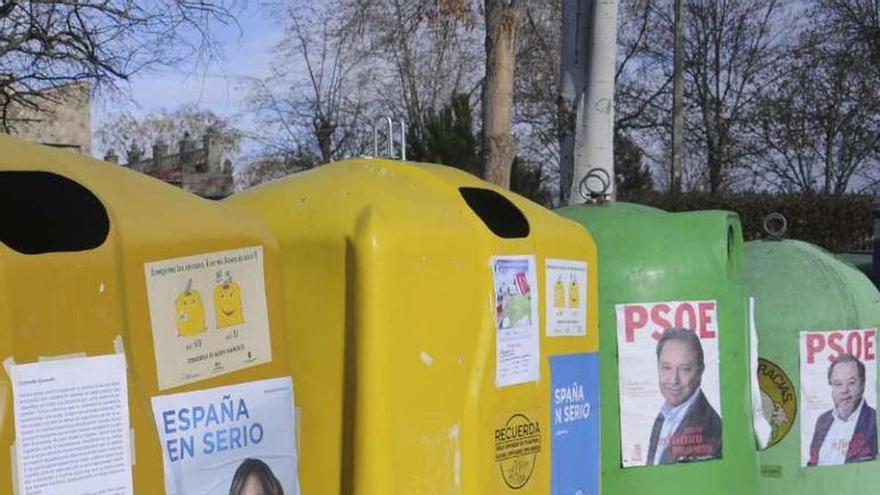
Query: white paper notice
(72,427)
(670,405)
(838,381)
(516,320)
(566,290)
(215,439)
(208,314)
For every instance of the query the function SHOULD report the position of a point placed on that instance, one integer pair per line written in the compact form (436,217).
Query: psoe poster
(838,397)
(217,441)
(670,406)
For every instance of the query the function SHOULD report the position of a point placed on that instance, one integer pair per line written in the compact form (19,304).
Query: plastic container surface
(803,292)
(98,260)
(659,270)
(417,299)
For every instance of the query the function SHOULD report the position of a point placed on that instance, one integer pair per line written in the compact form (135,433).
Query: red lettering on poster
(706,311)
(658,317)
(634,318)
(862,345)
(699,317)
(815,343)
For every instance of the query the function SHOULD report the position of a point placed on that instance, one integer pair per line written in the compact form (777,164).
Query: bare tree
(49,43)
(345,62)
(313,96)
(536,84)
(643,82)
(732,51)
(731,54)
(499,148)
(422,53)
(821,124)
(263,168)
(856,22)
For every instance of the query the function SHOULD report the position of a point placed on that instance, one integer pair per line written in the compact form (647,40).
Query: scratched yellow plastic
(389,300)
(51,304)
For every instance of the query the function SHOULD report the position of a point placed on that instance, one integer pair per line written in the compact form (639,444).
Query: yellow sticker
(208,313)
(227,304)
(778,399)
(189,312)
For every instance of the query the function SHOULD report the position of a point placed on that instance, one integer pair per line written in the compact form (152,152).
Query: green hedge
(837,223)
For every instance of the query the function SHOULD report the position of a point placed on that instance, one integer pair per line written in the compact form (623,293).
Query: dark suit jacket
(862,445)
(697,438)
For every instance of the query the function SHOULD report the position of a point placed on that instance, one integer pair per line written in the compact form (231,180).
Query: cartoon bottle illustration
(574,292)
(559,293)
(227,302)
(189,312)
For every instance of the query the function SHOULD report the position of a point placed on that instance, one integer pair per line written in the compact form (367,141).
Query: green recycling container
(816,319)
(676,413)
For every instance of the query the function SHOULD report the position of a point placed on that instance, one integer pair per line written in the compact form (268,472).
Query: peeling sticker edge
(119,348)
(61,357)
(8,363)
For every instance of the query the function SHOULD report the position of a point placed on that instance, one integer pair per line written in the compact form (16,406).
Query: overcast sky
(246,52)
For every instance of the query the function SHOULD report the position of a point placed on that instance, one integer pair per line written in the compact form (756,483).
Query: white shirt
(672,417)
(836,443)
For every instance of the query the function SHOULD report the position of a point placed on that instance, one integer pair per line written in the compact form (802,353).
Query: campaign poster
(72,426)
(216,441)
(574,424)
(670,405)
(208,314)
(838,397)
(517,356)
(566,296)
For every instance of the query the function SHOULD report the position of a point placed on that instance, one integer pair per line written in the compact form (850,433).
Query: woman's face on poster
(253,486)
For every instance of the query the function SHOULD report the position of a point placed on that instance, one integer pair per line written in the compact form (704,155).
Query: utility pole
(586,103)
(677,101)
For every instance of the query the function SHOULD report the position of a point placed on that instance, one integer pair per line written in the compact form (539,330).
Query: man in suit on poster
(847,432)
(687,429)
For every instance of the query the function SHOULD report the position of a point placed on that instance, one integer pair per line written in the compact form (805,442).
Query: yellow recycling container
(141,332)
(442,332)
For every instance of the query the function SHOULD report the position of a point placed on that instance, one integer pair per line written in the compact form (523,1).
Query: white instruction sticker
(208,314)
(72,426)
(566,289)
(516,320)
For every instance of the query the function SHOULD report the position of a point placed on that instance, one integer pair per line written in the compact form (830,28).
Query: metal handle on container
(389,148)
(777,232)
(595,194)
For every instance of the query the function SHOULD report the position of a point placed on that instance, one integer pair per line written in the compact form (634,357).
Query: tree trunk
(586,97)
(677,100)
(499,147)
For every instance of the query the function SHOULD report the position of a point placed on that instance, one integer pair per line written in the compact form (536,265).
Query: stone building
(198,167)
(63,120)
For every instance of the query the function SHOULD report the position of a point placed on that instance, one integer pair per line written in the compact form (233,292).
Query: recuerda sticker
(518,442)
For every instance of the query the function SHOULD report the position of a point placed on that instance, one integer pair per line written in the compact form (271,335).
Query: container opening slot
(502,217)
(44,212)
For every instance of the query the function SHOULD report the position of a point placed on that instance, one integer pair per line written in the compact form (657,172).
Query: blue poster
(574,424)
